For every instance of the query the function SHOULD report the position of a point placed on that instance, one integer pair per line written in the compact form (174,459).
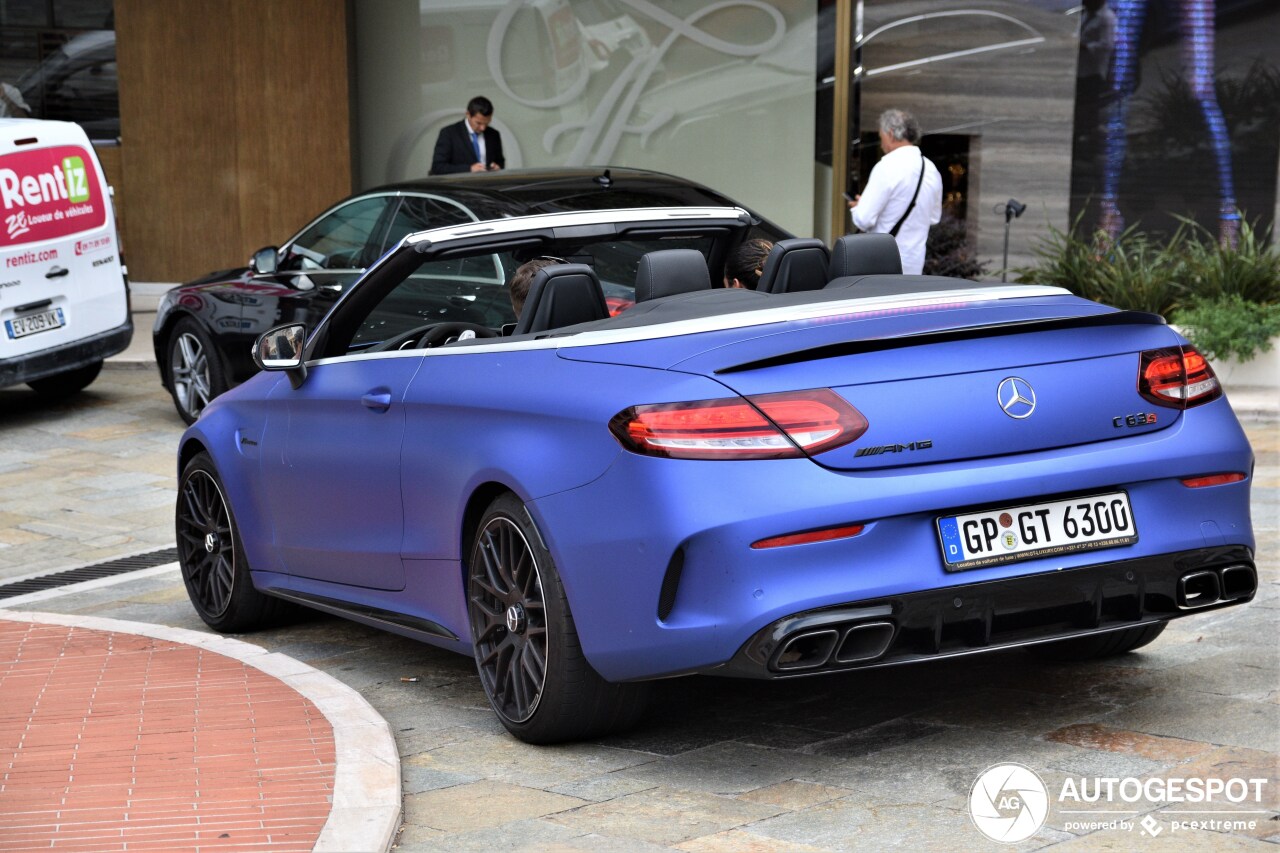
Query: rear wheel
(195,371)
(211,555)
(1096,646)
(68,383)
(527,652)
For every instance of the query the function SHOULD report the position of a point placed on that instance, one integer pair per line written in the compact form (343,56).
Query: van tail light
(1177,377)
(763,426)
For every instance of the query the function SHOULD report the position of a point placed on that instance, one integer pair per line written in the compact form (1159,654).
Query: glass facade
(722,92)
(1019,99)
(58,61)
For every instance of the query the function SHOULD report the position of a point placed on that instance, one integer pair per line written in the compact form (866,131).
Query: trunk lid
(956,382)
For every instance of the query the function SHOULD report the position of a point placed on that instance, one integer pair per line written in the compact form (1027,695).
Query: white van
(64,297)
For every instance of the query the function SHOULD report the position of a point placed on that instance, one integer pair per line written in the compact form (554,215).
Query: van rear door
(61,279)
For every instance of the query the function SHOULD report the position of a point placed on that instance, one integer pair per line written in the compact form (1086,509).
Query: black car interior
(564,295)
(670,285)
(795,265)
(671,271)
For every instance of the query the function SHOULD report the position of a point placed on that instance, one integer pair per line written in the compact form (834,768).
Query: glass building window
(58,61)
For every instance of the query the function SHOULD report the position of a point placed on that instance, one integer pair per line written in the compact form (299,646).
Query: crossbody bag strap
(894,230)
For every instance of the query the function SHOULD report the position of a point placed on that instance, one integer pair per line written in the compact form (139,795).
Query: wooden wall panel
(235,126)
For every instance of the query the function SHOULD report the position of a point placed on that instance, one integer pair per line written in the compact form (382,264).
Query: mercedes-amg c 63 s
(844,468)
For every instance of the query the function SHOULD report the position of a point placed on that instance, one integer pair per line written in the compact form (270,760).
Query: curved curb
(365,812)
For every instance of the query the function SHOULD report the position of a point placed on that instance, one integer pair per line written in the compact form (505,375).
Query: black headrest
(562,295)
(865,254)
(671,271)
(795,265)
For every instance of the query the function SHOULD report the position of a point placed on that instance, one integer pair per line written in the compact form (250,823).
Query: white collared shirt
(888,193)
(480,140)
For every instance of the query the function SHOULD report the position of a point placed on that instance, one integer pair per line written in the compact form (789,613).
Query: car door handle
(56,272)
(460,298)
(379,401)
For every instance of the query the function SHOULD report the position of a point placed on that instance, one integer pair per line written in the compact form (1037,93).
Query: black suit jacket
(454,152)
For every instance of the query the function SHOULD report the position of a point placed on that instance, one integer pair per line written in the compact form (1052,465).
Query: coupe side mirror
(265,261)
(281,349)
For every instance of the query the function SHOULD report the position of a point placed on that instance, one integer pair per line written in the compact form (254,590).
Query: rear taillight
(764,426)
(1178,377)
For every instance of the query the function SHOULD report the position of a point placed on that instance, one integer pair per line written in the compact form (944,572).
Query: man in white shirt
(902,176)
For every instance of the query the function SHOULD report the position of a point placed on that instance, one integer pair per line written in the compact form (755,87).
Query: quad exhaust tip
(840,644)
(1203,588)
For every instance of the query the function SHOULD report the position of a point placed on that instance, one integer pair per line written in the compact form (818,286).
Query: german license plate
(1026,532)
(30,324)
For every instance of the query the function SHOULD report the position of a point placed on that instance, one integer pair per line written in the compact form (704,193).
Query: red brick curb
(113,741)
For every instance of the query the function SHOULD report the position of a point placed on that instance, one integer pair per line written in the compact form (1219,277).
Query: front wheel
(527,652)
(65,384)
(214,568)
(1104,645)
(195,371)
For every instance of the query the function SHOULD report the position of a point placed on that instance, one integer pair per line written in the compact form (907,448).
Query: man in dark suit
(470,145)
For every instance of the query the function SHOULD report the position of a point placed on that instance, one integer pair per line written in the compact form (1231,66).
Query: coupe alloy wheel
(206,543)
(508,618)
(189,369)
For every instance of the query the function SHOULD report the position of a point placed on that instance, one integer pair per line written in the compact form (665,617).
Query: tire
(214,568)
(65,384)
(1096,646)
(531,664)
(196,374)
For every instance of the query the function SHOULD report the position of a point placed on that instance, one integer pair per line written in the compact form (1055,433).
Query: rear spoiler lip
(992,330)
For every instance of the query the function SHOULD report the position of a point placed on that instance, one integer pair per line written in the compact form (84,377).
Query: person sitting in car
(522,279)
(746,262)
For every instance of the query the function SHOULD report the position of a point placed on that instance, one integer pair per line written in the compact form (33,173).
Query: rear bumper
(981,617)
(38,365)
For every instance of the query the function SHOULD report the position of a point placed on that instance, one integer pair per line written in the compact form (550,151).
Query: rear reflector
(825,535)
(1212,480)
(1177,377)
(765,426)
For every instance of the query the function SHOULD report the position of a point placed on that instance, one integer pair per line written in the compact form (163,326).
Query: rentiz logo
(48,193)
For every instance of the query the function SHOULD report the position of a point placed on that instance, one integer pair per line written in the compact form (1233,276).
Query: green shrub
(1250,270)
(1230,326)
(1133,272)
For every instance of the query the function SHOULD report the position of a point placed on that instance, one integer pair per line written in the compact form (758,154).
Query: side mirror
(265,261)
(281,349)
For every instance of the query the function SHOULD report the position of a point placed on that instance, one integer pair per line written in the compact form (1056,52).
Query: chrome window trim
(852,308)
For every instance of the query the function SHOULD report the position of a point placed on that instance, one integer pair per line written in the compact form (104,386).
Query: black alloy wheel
(530,661)
(509,619)
(206,543)
(214,568)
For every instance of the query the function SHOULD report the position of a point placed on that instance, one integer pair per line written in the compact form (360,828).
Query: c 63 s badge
(895,448)
(1140,419)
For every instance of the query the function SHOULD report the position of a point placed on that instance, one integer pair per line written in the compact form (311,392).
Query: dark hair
(480,105)
(522,278)
(747,260)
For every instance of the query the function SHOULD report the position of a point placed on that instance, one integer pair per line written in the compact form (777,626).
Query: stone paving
(864,761)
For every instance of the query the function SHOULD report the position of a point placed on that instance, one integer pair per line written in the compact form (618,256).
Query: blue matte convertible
(846,467)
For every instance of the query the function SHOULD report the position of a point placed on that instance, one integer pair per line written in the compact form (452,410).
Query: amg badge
(894,448)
